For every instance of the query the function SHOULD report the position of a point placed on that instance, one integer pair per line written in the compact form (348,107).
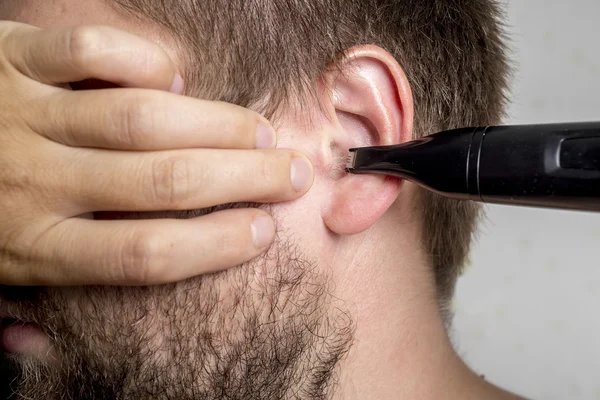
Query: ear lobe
(358,203)
(373,107)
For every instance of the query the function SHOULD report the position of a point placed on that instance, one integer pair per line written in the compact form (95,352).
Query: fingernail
(178,84)
(265,137)
(263,231)
(301,174)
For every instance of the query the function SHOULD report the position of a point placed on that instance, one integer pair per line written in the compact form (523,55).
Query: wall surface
(528,308)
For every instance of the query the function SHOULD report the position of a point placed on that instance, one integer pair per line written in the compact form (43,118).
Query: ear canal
(373,106)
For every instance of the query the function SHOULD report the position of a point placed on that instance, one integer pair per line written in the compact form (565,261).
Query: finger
(146,252)
(128,119)
(63,55)
(183,179)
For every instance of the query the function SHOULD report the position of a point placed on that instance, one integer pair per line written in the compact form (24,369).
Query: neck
(401,348)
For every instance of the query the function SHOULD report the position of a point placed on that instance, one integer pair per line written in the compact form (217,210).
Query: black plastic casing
(438,162)
(555,165)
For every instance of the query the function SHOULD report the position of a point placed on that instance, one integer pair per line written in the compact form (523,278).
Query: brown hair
(263,53)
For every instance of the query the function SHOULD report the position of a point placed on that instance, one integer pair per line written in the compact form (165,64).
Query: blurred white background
(527,309)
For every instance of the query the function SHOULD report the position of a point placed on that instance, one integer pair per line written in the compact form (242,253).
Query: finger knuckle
(137,122)
(172,182)
(141,259)
(53,113)
(16,255)
(81,42)
(16,178)
(11,37)
(7,252)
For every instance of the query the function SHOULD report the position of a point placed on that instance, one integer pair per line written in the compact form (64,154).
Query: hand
(66,154)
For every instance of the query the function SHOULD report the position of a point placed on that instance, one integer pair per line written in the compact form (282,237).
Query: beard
(268,329)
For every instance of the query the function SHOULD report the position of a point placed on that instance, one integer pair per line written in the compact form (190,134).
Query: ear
(372,106)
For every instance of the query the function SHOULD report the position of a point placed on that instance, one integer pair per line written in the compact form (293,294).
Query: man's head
(273,55)
(330,74)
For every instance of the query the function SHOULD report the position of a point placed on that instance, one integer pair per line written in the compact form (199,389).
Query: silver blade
(350,160)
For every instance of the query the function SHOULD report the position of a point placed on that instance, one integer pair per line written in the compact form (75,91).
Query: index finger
(63,55)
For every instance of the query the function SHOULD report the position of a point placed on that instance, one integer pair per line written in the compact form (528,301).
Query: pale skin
(55,141)
(364,229)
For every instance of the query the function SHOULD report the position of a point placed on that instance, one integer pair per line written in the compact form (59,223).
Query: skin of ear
(371,105)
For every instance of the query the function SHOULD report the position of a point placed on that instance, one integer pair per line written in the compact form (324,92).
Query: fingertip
(178,85)
(263,231)
(301,173)
(266,138)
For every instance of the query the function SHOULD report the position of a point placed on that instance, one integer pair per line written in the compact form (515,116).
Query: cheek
(301,222)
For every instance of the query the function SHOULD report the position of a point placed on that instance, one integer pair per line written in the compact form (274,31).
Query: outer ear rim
(402,83)
(358,202)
